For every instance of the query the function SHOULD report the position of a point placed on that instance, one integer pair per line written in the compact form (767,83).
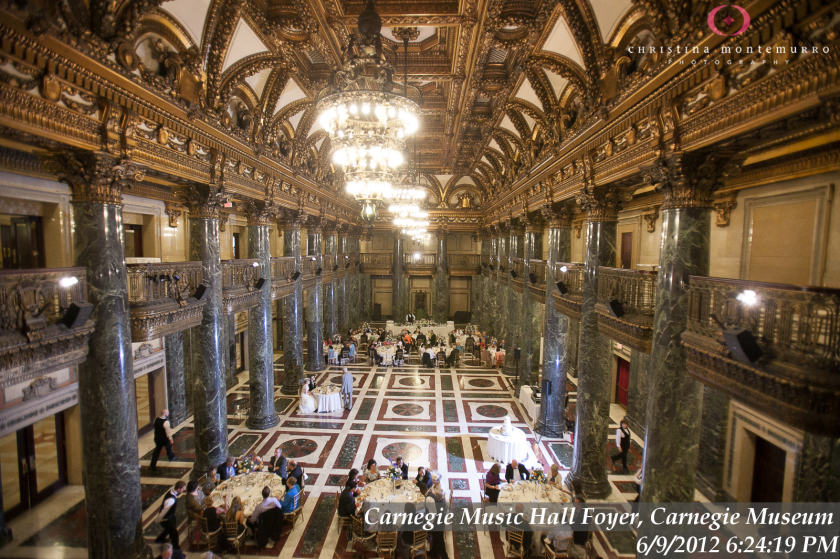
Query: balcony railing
(420,263)
(568,297)
(330,267)
(161,297)
(36,333)
(626,300)
(377,264)
(464,264)
(239,277)
(485,264)
(537,274)
(282,271)
(775,347)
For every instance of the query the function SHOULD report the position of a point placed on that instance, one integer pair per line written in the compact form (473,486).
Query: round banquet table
(387,353)
(532,492)
(382,491)
(504,448)
(248,487)
(328,398)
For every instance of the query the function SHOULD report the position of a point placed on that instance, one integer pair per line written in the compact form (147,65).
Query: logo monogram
(729,20)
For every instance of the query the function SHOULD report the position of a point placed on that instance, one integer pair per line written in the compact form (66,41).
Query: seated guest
(212,514)
(528,535)
(372,472)
(420,338)
(213,476)
(430,351)
(208,488)
(353,475)
(193,501)
(554,477)
(516,472)
(312,383)
(296,472)
(452,337)
(453,356)
(433,340)
(383,335)
(267,503)
(493,483)
(292,489)
(236,513)
(579,537)
(403,467)
(406,537)
(374,355)
(424,357)
(347,500)
(345,353)
(330,355)
(169,553)
(277,463)
(423,476)
(228,469)
(352,350)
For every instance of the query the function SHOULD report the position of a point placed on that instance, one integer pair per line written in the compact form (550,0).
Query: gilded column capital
(260,213)
(223,220)
(601,203)
(94,177)
(203,201)
(174,211)
(650,215)
(688,180)
(342,229)
(723,207)
(557,218)
(291,220)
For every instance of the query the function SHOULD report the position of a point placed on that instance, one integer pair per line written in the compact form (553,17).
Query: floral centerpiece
(539,476)
(246,464)
(394,473)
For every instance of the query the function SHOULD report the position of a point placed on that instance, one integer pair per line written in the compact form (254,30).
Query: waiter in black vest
(166,516)
(163,438)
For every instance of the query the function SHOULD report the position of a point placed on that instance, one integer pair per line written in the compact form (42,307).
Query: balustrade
(239,278)
(626,301)
(161,297)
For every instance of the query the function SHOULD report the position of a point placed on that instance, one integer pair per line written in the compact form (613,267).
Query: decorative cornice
(689,180)
(203,201)
(601,203)
(94,177)
(558,218)
(260,213)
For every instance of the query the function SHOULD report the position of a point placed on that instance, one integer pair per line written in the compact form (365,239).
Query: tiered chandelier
(366,121)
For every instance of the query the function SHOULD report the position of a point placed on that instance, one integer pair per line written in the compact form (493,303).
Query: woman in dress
(554,477)
(493,483)
(236,514)
(372,472)
(307,402)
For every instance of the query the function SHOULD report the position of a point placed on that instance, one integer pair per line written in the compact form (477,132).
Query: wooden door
(623,382)
(768,472)
(626,250)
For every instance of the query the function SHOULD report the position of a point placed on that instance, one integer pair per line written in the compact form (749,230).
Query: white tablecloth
(529,492)
(438,330)
(525,399)
(248,487)
(382,491)
(503,448)
(328,402)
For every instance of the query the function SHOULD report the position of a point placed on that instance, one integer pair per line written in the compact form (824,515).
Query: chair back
(356,526)
(386,540)
(345,352)
(469,345)
(296,502)
(202,480)
(441,356)
(420,539)
(364,339)
(400,354)
(232,529)
(516,536)
(202,524)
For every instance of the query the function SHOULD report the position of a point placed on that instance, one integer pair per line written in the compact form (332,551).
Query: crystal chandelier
(367,122)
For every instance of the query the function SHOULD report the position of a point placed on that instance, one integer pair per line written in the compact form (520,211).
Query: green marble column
(330,247)
(315,306)
(208,359)
(555,331)
(637,391)
(574,347)
(532,317)
(514,301)
(440,303)
(262,413)
(292,311)
(675,400)
(713,432)
(500,309)
(341,316)
(589,464)
(106,379)
(400,287)
(353,290)
(176,382)
(491,288)
(818,471)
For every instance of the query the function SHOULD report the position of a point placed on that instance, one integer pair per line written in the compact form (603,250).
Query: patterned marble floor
(436,418)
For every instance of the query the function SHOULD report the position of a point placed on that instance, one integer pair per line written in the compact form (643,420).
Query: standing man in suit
(515,468)
(347,389)
(228,469)
(277,464)
(163,438)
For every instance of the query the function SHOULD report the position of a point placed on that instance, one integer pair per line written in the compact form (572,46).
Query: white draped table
(527,402)
(504,448)
(328,398)
(532,492)
(439,330)
(248,487)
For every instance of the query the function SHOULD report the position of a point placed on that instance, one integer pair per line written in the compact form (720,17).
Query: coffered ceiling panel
(191,14)
(245,42)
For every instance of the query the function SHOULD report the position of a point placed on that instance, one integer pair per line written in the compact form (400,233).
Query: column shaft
(441,295)
(106,389)
(514,301)
(675,399)
(593,403)
(500,311)
(531,319)
(262,414)
(176,382)
(315,308)
(341,289)
(398,299)
(292,317)
(330,325)
(555,339)
(209,406)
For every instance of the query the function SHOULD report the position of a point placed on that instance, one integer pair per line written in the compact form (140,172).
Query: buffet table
(248,487)
(525,398)
(504,448)
(328,398)
(439,330)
